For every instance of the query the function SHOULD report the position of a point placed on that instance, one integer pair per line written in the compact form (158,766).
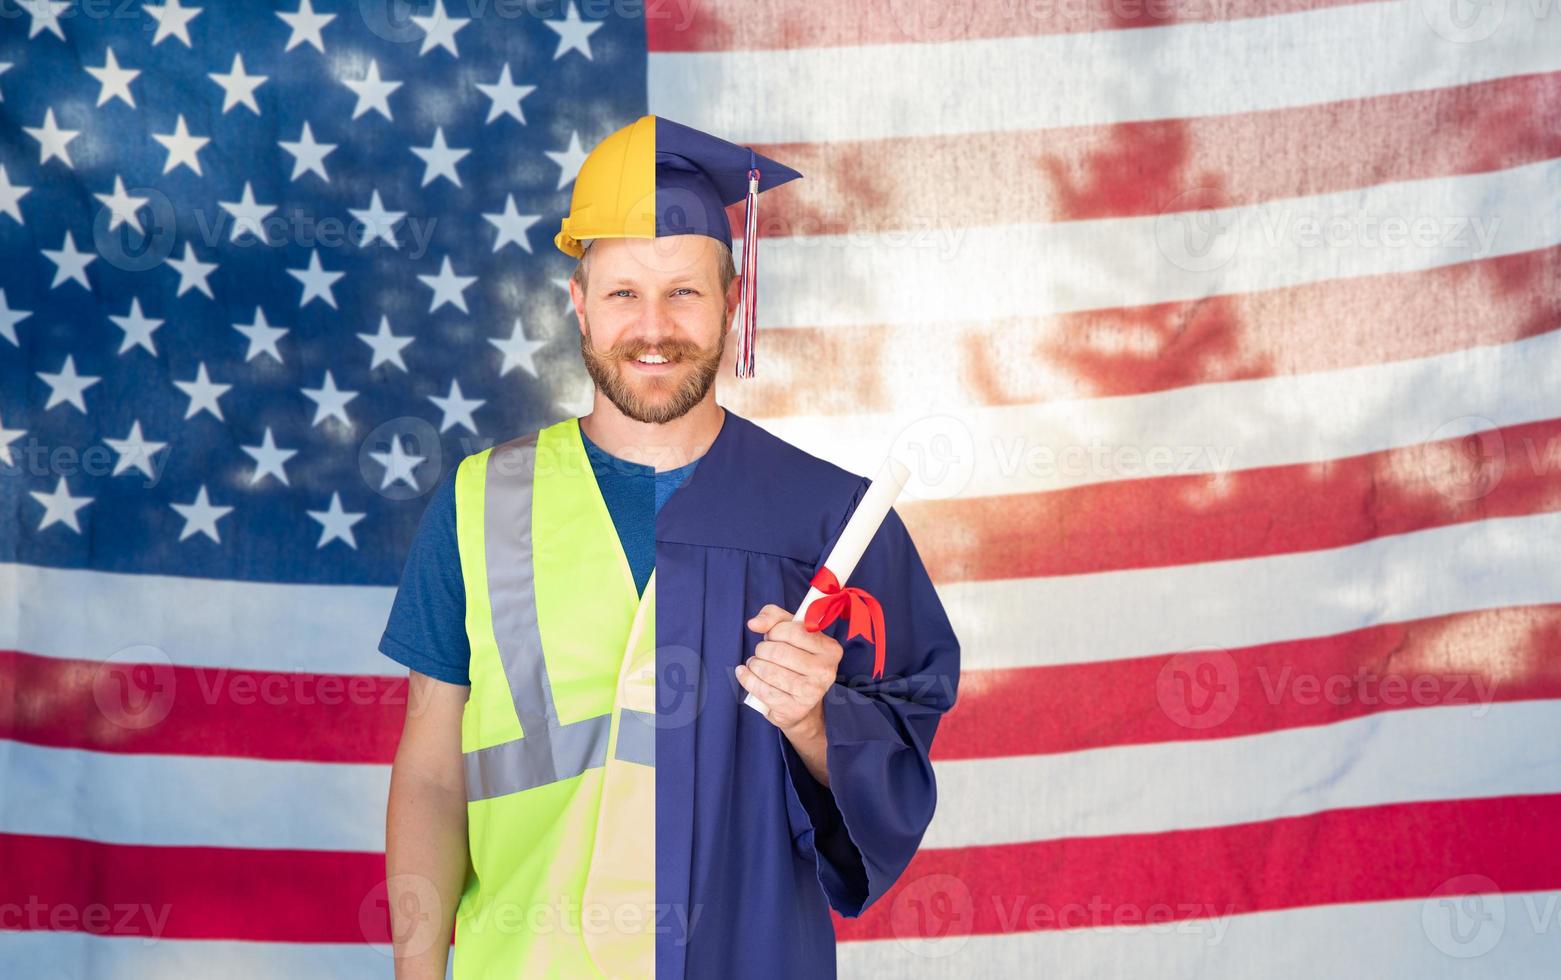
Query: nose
(656,321)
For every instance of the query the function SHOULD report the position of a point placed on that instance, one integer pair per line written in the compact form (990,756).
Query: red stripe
(1337,856)
(111,706)
(1177,520)
(1474,658)
(56,883)
(788,24)
(1323,326)
(1143,169)
(1399,851)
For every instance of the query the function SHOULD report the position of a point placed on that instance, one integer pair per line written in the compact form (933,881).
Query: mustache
(672,350)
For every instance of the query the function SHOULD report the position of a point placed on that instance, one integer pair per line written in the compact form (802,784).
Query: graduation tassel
(748,301)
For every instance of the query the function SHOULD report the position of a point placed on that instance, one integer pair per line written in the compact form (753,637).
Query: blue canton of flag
(270,270)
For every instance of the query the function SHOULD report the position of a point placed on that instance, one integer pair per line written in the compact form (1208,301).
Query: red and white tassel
(748,295)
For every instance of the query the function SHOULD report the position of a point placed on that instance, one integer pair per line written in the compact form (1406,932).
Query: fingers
(765,619)
(798,685)
(786,655)
(798,635)
(771,695)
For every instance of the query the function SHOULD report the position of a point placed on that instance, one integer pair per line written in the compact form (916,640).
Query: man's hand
(790,671)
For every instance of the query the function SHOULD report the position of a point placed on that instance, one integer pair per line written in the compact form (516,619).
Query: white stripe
(1414,755)
(1404,939)
(47,955)
(196,622)
(1211,428)
(1488,564)
(952,273)
(1092,78)
(219,802)
(172,800)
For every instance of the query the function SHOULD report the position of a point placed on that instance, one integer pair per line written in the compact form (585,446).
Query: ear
(577,298)
(734,294)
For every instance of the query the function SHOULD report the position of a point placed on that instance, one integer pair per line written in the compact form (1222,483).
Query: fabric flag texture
(1225,335)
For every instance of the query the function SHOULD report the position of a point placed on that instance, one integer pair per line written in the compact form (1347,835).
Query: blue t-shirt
(427,627)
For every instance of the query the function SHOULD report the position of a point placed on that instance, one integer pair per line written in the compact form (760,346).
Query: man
(579,789)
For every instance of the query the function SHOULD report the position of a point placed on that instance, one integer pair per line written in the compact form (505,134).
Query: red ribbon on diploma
(866,615)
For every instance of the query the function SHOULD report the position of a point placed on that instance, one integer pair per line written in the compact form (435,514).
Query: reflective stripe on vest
(558,735)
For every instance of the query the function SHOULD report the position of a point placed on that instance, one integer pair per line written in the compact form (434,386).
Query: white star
(45,16)
(398,464)
(386,345)
(172,21)
(316,281)
(439,159)
(10,195)
(8,436)
(573,33)
(518,351)
(373,93)
(60,507)
(135,450)
(69,263)
(114,81)
(137,327)
(568,160)
(306,25)
(121,206)
(456,408)
(247,216)
(448,287)
(203,393)
(307,154)
(9,318)
(330,401)
(505,96)
(67,385)
(262,337)
(269,460)
(52,140)
(378,223)
(512,225)
(336,523)
(192,272)
(201,516)
(182,147)
(238,87)
(439,29)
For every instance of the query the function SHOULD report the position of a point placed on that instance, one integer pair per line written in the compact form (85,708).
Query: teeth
(652,359)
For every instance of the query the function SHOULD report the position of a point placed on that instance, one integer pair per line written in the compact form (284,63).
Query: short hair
(726,272)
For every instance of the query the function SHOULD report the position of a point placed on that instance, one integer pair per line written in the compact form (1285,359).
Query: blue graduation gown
(751,851)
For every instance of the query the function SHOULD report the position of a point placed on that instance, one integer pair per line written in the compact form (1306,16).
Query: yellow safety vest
(558,735)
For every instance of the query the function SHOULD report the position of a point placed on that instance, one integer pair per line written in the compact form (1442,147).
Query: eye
(620,292)
(685,289)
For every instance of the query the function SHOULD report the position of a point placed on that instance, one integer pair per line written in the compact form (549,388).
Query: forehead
(664,259)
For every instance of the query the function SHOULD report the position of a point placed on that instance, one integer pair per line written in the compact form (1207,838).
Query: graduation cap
(655,178)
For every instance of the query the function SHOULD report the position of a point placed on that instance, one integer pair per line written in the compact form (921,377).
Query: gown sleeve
(866,825)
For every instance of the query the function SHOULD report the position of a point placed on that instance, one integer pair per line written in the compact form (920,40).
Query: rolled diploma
(859,531)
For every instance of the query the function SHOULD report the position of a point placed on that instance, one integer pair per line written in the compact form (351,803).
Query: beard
(655,399)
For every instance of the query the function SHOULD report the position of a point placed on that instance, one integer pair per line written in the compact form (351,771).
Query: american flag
(1222,335)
